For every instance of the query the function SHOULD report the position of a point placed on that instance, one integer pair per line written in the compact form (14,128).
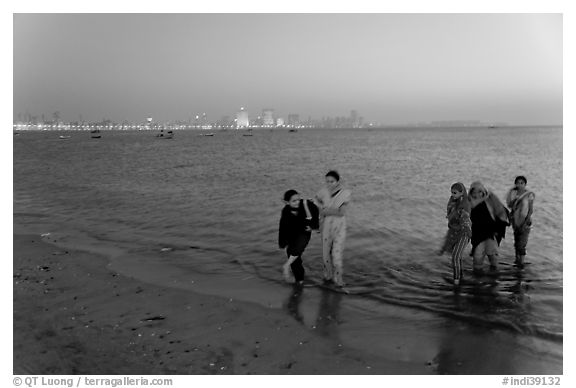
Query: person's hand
(526,224)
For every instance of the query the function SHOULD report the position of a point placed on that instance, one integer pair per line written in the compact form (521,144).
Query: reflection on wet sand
(473,349)
(292,304)
(327,317)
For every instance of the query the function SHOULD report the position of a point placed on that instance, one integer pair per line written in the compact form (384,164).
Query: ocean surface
(211,206)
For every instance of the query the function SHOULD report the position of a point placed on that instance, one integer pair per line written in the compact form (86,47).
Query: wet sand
(73,315)
(81,308)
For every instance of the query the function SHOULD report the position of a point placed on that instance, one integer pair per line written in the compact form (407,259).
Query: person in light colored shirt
(520,201)
(333,201)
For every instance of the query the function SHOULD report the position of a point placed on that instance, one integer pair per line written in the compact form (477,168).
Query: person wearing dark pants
(299,217)
(520,200)
(295,250)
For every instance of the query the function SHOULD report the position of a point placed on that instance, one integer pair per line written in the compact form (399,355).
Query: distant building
(354,119)
(242,120)
(268,117)
(280,122)
(293,120)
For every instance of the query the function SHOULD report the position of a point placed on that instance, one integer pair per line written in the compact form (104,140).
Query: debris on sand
(154,318)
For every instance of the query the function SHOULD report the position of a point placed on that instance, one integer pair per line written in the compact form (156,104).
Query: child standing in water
(298,219)
(459,228)
(520,202)
(333,200)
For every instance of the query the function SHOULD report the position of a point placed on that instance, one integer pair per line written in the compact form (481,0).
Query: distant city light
(241,120)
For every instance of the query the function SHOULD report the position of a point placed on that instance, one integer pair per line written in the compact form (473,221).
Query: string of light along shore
(242,120)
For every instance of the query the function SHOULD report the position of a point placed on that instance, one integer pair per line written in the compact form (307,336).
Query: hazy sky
(392,68)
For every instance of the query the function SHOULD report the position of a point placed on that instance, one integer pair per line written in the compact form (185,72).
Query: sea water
(211,206)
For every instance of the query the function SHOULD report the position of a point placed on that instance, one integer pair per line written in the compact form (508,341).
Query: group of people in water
(325,213)
(475,216)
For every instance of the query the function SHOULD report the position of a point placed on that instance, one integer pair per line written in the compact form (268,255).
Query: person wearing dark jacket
(299,217)
(489,221)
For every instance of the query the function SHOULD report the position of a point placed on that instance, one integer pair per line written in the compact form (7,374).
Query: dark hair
(459,187)
(521,178)
(334,174)
(289,194)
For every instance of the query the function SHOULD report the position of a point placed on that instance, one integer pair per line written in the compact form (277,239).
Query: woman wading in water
(489,221)
(297,220)
(459,228)
(333,201)
(520,200)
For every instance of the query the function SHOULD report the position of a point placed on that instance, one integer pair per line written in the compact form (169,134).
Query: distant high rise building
(268,117)
(280,122)
(293,120)
(354,119)
(242,120)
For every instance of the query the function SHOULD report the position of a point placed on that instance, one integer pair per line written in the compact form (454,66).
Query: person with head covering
(333,200)
(489,221)
(299,217)
(520,201)
(459,228)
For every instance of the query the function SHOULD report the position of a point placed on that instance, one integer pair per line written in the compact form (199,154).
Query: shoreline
(71,313)
(75,304)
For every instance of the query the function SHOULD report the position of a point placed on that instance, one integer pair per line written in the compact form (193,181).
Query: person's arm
(466,223)
(528,219)
(282,233)
(318,199)
(509,201)
(315,221)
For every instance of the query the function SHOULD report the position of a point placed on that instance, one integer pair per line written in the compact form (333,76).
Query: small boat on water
(248,132)
(95,134)
(64,137)
(165,135)
(208,134)
(293,130)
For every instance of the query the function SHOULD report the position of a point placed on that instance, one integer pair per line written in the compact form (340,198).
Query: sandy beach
(71,313)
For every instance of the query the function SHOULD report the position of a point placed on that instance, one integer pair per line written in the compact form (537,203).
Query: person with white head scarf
(489,221)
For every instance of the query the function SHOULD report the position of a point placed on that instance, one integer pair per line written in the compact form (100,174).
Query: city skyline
(241,120)
(394,68)
(267,116)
